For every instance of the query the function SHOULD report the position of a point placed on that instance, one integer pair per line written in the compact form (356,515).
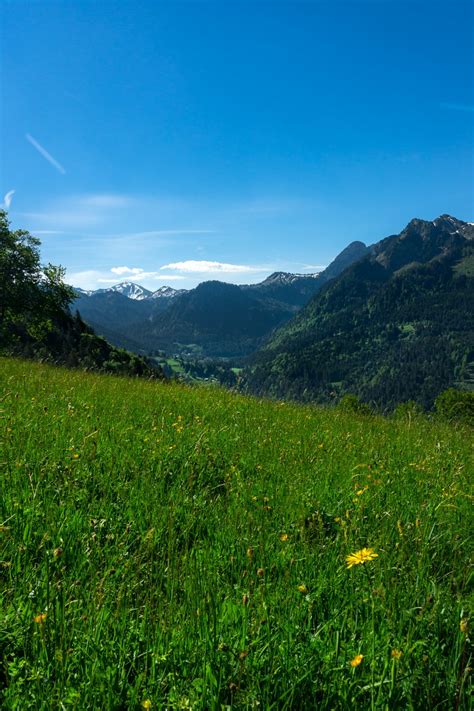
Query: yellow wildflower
(463,625)
(146,704)
(40,619)
(357,660)
(362,556)
(283,537)
(302,588)
(396,653)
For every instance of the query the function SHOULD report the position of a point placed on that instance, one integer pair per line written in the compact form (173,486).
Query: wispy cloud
(314,267)
(127,270)
(46,232)
(7,200)
(192,266)
(146,275)
(458,107)
(42,151)
(166,233)
(107,200)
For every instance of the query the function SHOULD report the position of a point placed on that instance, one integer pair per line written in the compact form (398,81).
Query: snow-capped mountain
(128,289)
(166,292)
(133,291)
(288,278)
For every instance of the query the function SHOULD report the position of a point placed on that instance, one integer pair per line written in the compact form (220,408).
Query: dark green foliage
(454,404)
(351,403)
(30,293)
(35,321)
(397,325)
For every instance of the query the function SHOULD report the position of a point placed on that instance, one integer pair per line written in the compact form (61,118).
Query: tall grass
(170,547)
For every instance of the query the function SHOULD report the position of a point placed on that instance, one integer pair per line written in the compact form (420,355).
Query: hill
(174,547)
(396,325)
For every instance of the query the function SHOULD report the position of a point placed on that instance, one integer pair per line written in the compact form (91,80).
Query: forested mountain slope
(396,325)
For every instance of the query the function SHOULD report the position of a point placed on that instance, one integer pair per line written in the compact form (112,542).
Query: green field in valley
(171,547)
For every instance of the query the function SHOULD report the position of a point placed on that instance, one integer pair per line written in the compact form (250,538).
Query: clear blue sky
(161,136)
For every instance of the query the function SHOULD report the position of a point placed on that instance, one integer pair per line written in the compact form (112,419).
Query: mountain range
(397,324)
(214,319)
(389,323)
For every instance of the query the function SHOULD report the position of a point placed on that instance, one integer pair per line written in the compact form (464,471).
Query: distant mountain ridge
(134,291)
(397,324)
(213,319)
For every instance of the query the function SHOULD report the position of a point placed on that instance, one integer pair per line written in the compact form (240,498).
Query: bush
(351,403)
(456,405)
(408,410)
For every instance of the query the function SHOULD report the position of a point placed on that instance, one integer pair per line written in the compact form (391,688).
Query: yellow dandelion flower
(260,572)
(362,556)
(284,537)
(302,588)
(250,552)
(396,653)
(146,704)
(357,660)
(463,625)
(360,492)
(40,619)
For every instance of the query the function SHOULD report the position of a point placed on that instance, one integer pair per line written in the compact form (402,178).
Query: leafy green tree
(32,295)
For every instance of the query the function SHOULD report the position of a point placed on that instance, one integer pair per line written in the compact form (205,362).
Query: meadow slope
(163,546)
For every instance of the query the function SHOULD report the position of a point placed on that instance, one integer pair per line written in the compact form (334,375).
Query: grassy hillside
(169,547)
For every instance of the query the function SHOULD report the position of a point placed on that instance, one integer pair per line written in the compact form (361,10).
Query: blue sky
(172,142)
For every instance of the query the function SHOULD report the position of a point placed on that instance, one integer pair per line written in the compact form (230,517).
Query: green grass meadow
(170,547)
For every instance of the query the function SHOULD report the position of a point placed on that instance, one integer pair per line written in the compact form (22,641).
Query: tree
(32,295)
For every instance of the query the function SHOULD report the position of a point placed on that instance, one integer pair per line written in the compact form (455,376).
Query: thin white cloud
(107,200)
(192,266)
(56,164)
(314,267)
(47,232)
(146,275)
(170,277)
(7,200)
(127,270)
(167,233)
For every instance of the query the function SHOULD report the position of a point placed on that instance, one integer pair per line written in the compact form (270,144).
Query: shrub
(453,404)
